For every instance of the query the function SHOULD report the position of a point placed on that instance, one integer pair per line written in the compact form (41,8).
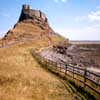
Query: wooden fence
(80,74)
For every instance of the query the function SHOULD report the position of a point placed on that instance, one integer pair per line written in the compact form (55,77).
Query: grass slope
(22,78)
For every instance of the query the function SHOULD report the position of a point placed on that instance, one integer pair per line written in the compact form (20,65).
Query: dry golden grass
(22,78)
(28,28)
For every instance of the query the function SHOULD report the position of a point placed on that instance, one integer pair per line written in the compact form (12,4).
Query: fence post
(66,70)
(60,67)
(56,66)
(85,77)
(73,72)
(47,62)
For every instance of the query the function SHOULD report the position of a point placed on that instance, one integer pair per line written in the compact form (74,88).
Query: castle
(28,13)
(29,17)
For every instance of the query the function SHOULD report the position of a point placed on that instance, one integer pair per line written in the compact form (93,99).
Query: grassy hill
(22,78)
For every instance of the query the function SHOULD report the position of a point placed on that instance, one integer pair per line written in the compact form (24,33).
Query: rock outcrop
(32,24)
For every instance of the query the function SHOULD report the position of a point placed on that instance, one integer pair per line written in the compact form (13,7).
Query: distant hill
(84,42)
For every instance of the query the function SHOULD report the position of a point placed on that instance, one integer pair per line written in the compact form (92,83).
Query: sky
(73,19)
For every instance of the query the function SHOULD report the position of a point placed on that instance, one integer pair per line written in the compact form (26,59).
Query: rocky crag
(32,24)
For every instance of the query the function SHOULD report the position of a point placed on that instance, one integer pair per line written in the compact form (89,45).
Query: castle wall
(38,14)
(26,7)
(30,13)
(34,13)
(43,16)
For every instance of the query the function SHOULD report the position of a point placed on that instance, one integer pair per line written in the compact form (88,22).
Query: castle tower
(25,12)
(26,7)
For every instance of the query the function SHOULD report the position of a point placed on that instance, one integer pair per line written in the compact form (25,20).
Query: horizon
(76,20)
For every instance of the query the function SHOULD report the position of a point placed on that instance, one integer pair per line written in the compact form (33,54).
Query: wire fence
(84,76)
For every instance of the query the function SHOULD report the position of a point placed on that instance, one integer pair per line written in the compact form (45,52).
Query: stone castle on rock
(28,13)
(31,24)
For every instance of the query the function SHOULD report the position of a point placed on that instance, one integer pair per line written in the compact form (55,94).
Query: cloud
(90,29)
(94,16)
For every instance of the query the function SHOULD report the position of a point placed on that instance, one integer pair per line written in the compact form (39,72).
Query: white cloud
(89,27)
(94,16)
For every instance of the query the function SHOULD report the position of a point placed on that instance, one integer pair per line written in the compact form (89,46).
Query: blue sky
(75,19)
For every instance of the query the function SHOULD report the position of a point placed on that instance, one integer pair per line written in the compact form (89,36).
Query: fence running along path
(74,72)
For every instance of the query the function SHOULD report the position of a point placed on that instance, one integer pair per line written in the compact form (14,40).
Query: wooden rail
(85,74)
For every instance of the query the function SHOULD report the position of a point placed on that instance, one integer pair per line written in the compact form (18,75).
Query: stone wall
(35,13)
(26,7)
(43,16)
(28,13)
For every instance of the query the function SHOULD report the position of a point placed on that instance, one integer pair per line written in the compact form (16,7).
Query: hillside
(21,77)
(32,25)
